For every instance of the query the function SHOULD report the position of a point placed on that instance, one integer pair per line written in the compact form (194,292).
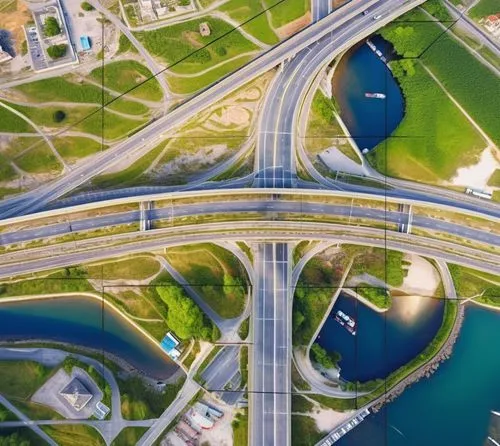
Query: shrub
(59,116)
(57,51)
(51,27)
(86,6)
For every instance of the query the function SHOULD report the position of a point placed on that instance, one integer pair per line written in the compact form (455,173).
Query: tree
(184,317)
(59,116)
(321,356)
(57,51)
(51,27)
(86,6)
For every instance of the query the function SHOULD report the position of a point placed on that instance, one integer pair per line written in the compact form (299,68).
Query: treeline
(323,358)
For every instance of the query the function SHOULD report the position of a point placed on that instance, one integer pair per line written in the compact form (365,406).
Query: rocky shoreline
(427,369)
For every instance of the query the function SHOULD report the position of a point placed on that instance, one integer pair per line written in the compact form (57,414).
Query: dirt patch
(293,27)
(192,38)
(231,115)
(328,419)
(422,277)
(14,21)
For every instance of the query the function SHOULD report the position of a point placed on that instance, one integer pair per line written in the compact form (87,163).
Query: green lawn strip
(71,279)
(187,85)
(244,328)
(380,297)
(74,435)
(240,428)
(243,10)
(438,10)
(246,249)
(473,85)
(180,42)
(438,139)
(6,414)
(129,436)
(9,122)
(113,127)
(5,191)
(191,356)
(19,436)
(305,431)
(244,365)
(286,11)
(484,8)
(339,404)
(215,274)
(21,379)
(216,349)
(123,75)
(72,148)
(134,268)
(469,282)
(141,402)
(130,175)
(490,56)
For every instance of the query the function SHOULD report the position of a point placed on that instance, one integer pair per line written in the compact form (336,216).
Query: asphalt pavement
(270,391)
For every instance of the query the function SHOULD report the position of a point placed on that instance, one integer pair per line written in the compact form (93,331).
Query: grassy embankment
(317,283)
(324,131)
(433,149)
(305,431)
(243,10)
(244,365)
(215,273)
(469,283)
(240,428)
(125,75)
(182,47)
(484,8)
(129,436)
(286,11)
(74,435)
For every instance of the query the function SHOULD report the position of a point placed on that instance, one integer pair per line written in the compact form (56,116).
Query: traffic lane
(252,206)
(134,143)
(222,369)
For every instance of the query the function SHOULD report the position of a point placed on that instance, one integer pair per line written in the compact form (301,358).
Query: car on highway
(376,17)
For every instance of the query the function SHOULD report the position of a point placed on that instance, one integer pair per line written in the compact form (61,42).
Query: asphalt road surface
(270,398)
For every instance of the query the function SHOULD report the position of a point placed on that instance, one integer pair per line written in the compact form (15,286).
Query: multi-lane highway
(143,141)
(270,378)
(257,205)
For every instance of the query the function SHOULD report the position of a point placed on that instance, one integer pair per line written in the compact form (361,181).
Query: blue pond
(83,321)
(384,341)
(369,120)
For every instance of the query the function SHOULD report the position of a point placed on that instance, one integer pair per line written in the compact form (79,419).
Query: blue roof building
(169,344)
(85,42)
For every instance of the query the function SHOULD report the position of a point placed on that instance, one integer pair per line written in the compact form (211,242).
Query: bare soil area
(14,21)
(295,26)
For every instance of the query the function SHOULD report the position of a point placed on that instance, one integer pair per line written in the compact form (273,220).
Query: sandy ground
(478,174)
(328,419)
(13,22)
(231,115)
(336,160)
(422,277)
(295,26)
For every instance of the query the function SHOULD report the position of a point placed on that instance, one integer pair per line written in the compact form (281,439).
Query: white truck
(479,193)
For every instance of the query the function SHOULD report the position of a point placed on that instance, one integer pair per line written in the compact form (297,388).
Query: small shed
(204,29)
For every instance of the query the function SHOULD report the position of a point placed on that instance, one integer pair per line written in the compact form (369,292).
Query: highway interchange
(303,57)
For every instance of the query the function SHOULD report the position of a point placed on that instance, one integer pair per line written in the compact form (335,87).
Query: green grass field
(377,296)
(434,138)
(286,11)
(72,148)
(123,75)
(304,431)
(244,10)
(215,273)
(184,42)
(187,85)
(125,45)
(129,436)
(74,435)
(484,8)
(240,428)
(21,379)
(383,264)
(134,268)
(469,282)
(9,122)
(39,159)
(495,179)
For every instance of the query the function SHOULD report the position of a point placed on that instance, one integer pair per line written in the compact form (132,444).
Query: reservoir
(369,120)
(384,341)
(454,405)
(83,321)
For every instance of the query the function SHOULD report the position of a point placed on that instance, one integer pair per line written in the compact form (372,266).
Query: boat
(346,321)
(375,95)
